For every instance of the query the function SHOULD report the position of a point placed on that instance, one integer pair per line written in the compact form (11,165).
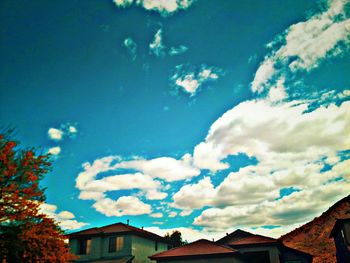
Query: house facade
(238,247)
(341,235)
(118,242)
(262,249)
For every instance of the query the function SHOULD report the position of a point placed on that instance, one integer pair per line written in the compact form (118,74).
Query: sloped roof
(117,228)
(242,238)
(201,247)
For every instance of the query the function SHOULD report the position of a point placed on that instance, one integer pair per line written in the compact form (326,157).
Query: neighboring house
(341,235)
(116,243)
(200,251)
(261,249)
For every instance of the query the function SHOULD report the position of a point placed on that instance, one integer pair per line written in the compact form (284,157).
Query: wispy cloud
(131,46)
(157,47)
(177,50)
(164,7)
(305,45)
(65,219)
(189,79)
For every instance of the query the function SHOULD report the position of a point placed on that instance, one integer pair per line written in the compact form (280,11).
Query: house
(117,243)
(199,251)
(261,249)
(341,235)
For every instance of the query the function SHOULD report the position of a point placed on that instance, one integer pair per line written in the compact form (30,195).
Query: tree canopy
(175,239)
(26,235)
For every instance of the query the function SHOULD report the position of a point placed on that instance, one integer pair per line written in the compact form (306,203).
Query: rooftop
(117,228)
(241,238)
(201,247)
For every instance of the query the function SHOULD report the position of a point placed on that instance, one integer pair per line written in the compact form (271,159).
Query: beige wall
(143,248)
(140,248)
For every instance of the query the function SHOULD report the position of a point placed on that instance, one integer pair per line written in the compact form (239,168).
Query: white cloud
(277,92)
(188,83)
(177,50)
(131,46)
(72,129)
(55,134)
(157,47)
(172,214)
(164,7)
(291,146)
(65,219)
(166,168)
(54,150)
(306,44)
(260,129)
(190,80)
(156,215)
(298,207)
(125,205)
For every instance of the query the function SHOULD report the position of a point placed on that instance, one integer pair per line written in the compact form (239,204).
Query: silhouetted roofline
(128,229)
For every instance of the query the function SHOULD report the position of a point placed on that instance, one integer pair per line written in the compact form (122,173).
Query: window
(156,246)
(84,246)
(116,244)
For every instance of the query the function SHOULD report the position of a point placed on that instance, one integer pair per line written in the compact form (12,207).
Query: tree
(26,235)
(175,239)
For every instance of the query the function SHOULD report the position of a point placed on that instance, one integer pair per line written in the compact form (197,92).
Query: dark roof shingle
(200,247)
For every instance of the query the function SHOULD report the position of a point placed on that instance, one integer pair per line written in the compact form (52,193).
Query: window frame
(84,246)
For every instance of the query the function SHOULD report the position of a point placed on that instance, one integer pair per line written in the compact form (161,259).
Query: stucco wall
(143,248)
(100,247)
(94,251)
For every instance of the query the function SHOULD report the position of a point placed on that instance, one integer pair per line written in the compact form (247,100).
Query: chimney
(226,234)
(213,239)
(142,227)
(127,221)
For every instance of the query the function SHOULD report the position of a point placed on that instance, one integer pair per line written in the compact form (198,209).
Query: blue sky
(203,116)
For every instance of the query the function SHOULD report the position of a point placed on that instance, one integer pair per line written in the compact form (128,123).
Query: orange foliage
(25,234)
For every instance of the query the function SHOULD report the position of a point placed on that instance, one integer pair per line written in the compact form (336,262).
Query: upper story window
(84,246)
(116,244)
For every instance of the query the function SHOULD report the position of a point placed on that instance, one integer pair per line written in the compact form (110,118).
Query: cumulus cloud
(260,129)
(131,46)
(189,79)
(55,134)
(292,147)
(305,45)
(144,180)
(156,215)
(156,47)
(65,219)
(125,205)
(54,150)
(166,168)
(164,7)
(295,208)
